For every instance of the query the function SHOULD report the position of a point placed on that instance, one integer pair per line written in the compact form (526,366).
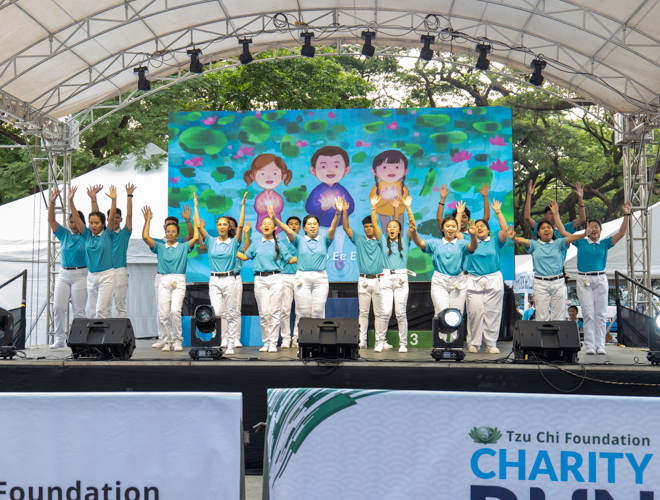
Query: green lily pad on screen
(288,147)
(188,172)
(429,226)
(272,116)
(412,181)
(475,111)
(191,117)
(373,127)
(460,124)
(172,132)
(419,261)
(241,192)
(226,120)
(442,140)
(359,157)
(221,174)
(429,182)
(507,206)
(316,126)
(432,120)
(213,203)
(481,157)
(413,150)
(402,111)
(253,131)
(473,179)
(201,140)
(339,128)
(293,128)
(176,195)
(487,127)
(296,195)
(383,113)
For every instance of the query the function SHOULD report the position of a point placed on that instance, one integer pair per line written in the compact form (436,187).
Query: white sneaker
(363,344)
(403,348)
(590,350)
(264,348)
(272,348)
(491,349)
(387,346)
(167,347)
(600,350)
(286,344)
(178,346)
(294,344)
(160,343)
(473,348)
(229,350)
(59,344)
(237,344)
(379,347)
(224,342)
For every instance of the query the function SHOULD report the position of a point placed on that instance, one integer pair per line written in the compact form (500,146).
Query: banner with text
(453,445)
(121,446)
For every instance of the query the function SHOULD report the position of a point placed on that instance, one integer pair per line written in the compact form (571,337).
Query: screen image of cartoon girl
(389,169)
(268,172)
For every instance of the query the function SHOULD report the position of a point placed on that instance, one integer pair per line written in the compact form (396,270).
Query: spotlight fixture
(195,65)
(537,78)
(307,49)
(245,57)
(144,85)
(368,50)
(426,53)
(204,321)
(447,342)
(483,63)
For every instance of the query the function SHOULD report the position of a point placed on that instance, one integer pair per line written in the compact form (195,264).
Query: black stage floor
(622,372)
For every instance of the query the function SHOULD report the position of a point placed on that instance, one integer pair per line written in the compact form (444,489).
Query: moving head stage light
(447,339)
(204,321)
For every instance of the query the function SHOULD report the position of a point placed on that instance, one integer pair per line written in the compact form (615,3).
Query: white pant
(69,285)
(171,293)
(448,292)
(157,286)
(100,288)
(268,292)
(223,295)
(121,285)
(237,310)
(593,299)
(394,290)
(288,288)
(550,300)
(311,292)
(484,308)
(368,292)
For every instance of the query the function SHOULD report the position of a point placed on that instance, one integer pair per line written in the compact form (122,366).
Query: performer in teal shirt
(289,285)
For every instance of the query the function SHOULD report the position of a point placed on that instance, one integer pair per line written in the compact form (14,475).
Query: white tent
(24,242)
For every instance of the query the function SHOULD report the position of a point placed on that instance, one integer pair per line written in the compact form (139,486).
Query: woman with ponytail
(389,169)
(394,280)
(269,258)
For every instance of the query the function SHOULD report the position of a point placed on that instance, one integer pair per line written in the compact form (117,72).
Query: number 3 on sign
(413,339)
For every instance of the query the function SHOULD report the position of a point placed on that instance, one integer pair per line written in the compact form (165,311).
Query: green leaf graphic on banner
(188,172)
(442,140)
(226,120)
(373,127)
(487,127)
(475,111)
(413,150)
(432,120)
(176,195)
(507,206)
(296,195)
(214,204)
(288,147)
(419,261)
(473,179)
(485,435)
(429,226)
(253,131)
(191,117)
(221,174)
(359,157)
(272,116)
(201,140)
(316,126)
(383,113)
(339,128)
(429,182)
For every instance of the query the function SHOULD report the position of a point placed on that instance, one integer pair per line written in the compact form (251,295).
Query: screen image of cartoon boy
(389,169)
(268,172)
(329,165)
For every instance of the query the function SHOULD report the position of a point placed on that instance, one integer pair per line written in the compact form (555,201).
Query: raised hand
(72,192)
(243,200)
(271,212)
(53,197)
(530,188)
(554,207)
(346,206)
(130,188)
(444,192)
(579,190)
(195,200)
(460,208)
(374,200)
(485,188)
(92,191)
(339,203)
(472,227)
(626,207)
(407,201)
(511,232)
(113,193)
(146,211)
(496,206)
(395,202)
(186,211)
(248,226)
(412,225)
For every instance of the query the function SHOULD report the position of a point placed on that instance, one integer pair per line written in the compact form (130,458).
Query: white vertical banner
(120,446)
(328,444)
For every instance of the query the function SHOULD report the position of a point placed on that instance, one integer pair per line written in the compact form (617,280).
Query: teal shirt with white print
(369,254)
(548,258)
(592,256)
(263,253)
(486,258)
(172,259)
(447,256)
(98,250)
(395,260)
(222,254)
(312,253)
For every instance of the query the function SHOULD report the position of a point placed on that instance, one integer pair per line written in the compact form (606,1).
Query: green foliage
(296,195)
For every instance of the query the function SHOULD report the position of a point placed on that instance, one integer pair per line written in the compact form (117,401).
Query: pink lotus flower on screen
(499,166)
(362,144)
(244,150)
(301,144)
(452,205)
(461,156)
(194,162)
(331,115)
(416,134)
(257,114)
(393,126)
(210,120)
(496,141)
(436,189)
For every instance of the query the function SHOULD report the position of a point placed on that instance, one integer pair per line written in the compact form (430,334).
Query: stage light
(426,53)
(537,78)
(195,65)
(204,319)
(307,49)
(144,85)
(483,63)
(368,50)
(449,321)
(245,57)
(447,344)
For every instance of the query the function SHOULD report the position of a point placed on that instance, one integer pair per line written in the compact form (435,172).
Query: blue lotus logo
(485,435)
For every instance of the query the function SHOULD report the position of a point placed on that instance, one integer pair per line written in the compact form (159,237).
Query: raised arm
(246,233)
(497,208)
(129,206)
(113,206)
(374,216)
(339,204)
(414,235)
(74,212)
(186,213)
(554,207)
(344,221)
(290,233)
(485,189)
(444,192)
(517,239)
(146,211)
(407,202)
(460,209)
(194,238)
(241,220)
(395,203)
(527,213)
(582,214)
(51,211)
(92,191)
(198,223)
(624,224)
(574,237)
(472,229)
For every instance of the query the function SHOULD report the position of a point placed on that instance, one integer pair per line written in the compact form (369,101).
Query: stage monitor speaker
(109,338)
(546,340)
(6,327)
(336,338)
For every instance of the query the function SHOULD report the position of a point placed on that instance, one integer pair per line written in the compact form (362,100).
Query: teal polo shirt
(172,259)
(312,253)
(98,250)
(222,255)
(394,260)
(592,257)
(447,256)
(548,258)
(263,252)
(486,258)
(570,228)
(120,247)
(369,254)
(72,248)
(286,267)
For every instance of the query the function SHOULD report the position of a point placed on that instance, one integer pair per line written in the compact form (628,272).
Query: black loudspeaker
(546,340)
(109,338)
(6,327)
(336,338)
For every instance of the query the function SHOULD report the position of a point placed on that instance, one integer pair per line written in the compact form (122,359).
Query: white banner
(120,446)
(328,444)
